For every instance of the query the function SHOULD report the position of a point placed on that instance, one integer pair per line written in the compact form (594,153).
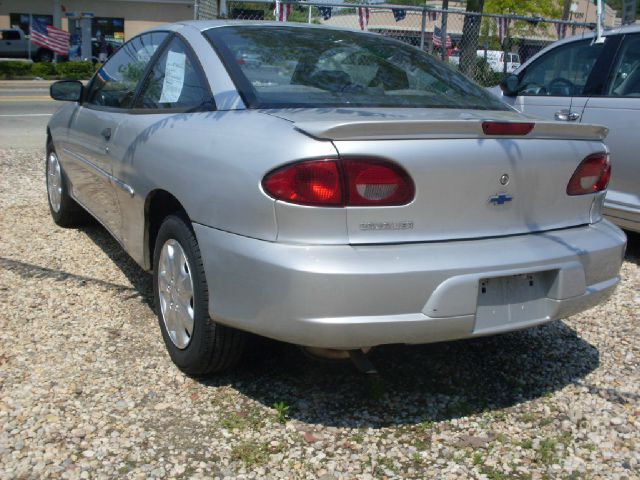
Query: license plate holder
(512,299)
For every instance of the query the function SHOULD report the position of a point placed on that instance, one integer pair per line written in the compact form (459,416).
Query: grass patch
(527,417)
(254,453)
(527,444)
(547,451)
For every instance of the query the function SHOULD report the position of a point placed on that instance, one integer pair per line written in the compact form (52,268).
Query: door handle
(106,134)
(567,116)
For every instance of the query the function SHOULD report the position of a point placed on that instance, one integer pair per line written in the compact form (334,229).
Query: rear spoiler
(441,129)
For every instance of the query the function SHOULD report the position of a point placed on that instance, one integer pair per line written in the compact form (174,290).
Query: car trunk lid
(468,184)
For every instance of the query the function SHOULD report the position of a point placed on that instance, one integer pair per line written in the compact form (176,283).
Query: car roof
(575,38)
(591,33)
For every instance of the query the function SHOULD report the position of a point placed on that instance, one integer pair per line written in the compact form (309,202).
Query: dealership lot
(86,389)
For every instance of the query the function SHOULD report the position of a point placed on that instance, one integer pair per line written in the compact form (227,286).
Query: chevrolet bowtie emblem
(500,199)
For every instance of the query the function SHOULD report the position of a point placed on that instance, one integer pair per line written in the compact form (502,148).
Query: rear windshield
(285,66)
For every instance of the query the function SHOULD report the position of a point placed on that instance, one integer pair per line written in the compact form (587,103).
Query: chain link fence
(484,47)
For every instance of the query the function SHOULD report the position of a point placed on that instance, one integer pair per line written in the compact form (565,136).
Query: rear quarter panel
(212,162)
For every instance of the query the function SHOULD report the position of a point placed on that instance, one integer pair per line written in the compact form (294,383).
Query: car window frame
(103,108)
(209,106)
(245,90)
(614,63)
(597,79)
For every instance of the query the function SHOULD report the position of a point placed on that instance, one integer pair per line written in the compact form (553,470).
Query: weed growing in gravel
(545,421)
(251,453)
(237,422)
(255,453)
(282,411)
(528,417)
(477,459)
(493,474)
(357,437)
(426,426)
(421,444)
(565,438)
(528,443)
(547,451)
(385,463)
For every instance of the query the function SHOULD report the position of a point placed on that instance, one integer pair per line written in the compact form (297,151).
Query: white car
(578,80)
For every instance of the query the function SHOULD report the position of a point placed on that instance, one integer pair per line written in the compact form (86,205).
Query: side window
(174,81)
(562,72)
(10,35)
(115,83)
(626,73)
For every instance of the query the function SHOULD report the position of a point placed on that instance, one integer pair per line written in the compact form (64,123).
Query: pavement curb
(25,83)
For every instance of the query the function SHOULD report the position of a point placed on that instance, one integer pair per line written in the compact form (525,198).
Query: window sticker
(173,77)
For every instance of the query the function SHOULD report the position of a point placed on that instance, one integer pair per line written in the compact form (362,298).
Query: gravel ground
(87,390)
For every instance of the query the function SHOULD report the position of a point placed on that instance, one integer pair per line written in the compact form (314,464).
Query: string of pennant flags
(282,11)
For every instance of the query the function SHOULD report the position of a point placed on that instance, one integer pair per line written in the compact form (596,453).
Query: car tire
(65,211)
(197,345)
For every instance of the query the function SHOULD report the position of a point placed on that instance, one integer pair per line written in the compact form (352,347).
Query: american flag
(50,37)
(282,11)
(363,17)
(503,28)
(399,14)
(437,38)
(561,28)
(325,12)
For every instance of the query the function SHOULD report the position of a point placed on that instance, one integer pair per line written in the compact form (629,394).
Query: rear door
(94,129)
(619,109)
(556,85)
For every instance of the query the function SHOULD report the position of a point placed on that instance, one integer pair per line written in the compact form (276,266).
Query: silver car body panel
(331,277)
(346,296)
(406,124)
(620,115)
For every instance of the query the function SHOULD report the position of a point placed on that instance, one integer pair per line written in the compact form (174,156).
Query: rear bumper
(343,296)
(625,216)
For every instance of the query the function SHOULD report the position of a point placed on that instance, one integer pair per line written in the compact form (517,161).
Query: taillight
(507,128)
(377,182)
(591,176)
(315,182)
(340,183)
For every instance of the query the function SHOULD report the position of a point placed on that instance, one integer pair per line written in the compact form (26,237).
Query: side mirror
(509,85)
(67,90)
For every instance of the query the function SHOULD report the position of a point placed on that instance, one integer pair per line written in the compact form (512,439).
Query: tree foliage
(533,8)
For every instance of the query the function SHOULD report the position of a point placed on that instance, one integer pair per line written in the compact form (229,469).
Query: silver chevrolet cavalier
(333,189)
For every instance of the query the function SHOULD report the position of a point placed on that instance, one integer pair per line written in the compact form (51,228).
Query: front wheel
(64,209)
(196,344)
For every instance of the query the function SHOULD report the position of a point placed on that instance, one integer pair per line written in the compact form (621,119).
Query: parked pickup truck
(14,43)
(495,58)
